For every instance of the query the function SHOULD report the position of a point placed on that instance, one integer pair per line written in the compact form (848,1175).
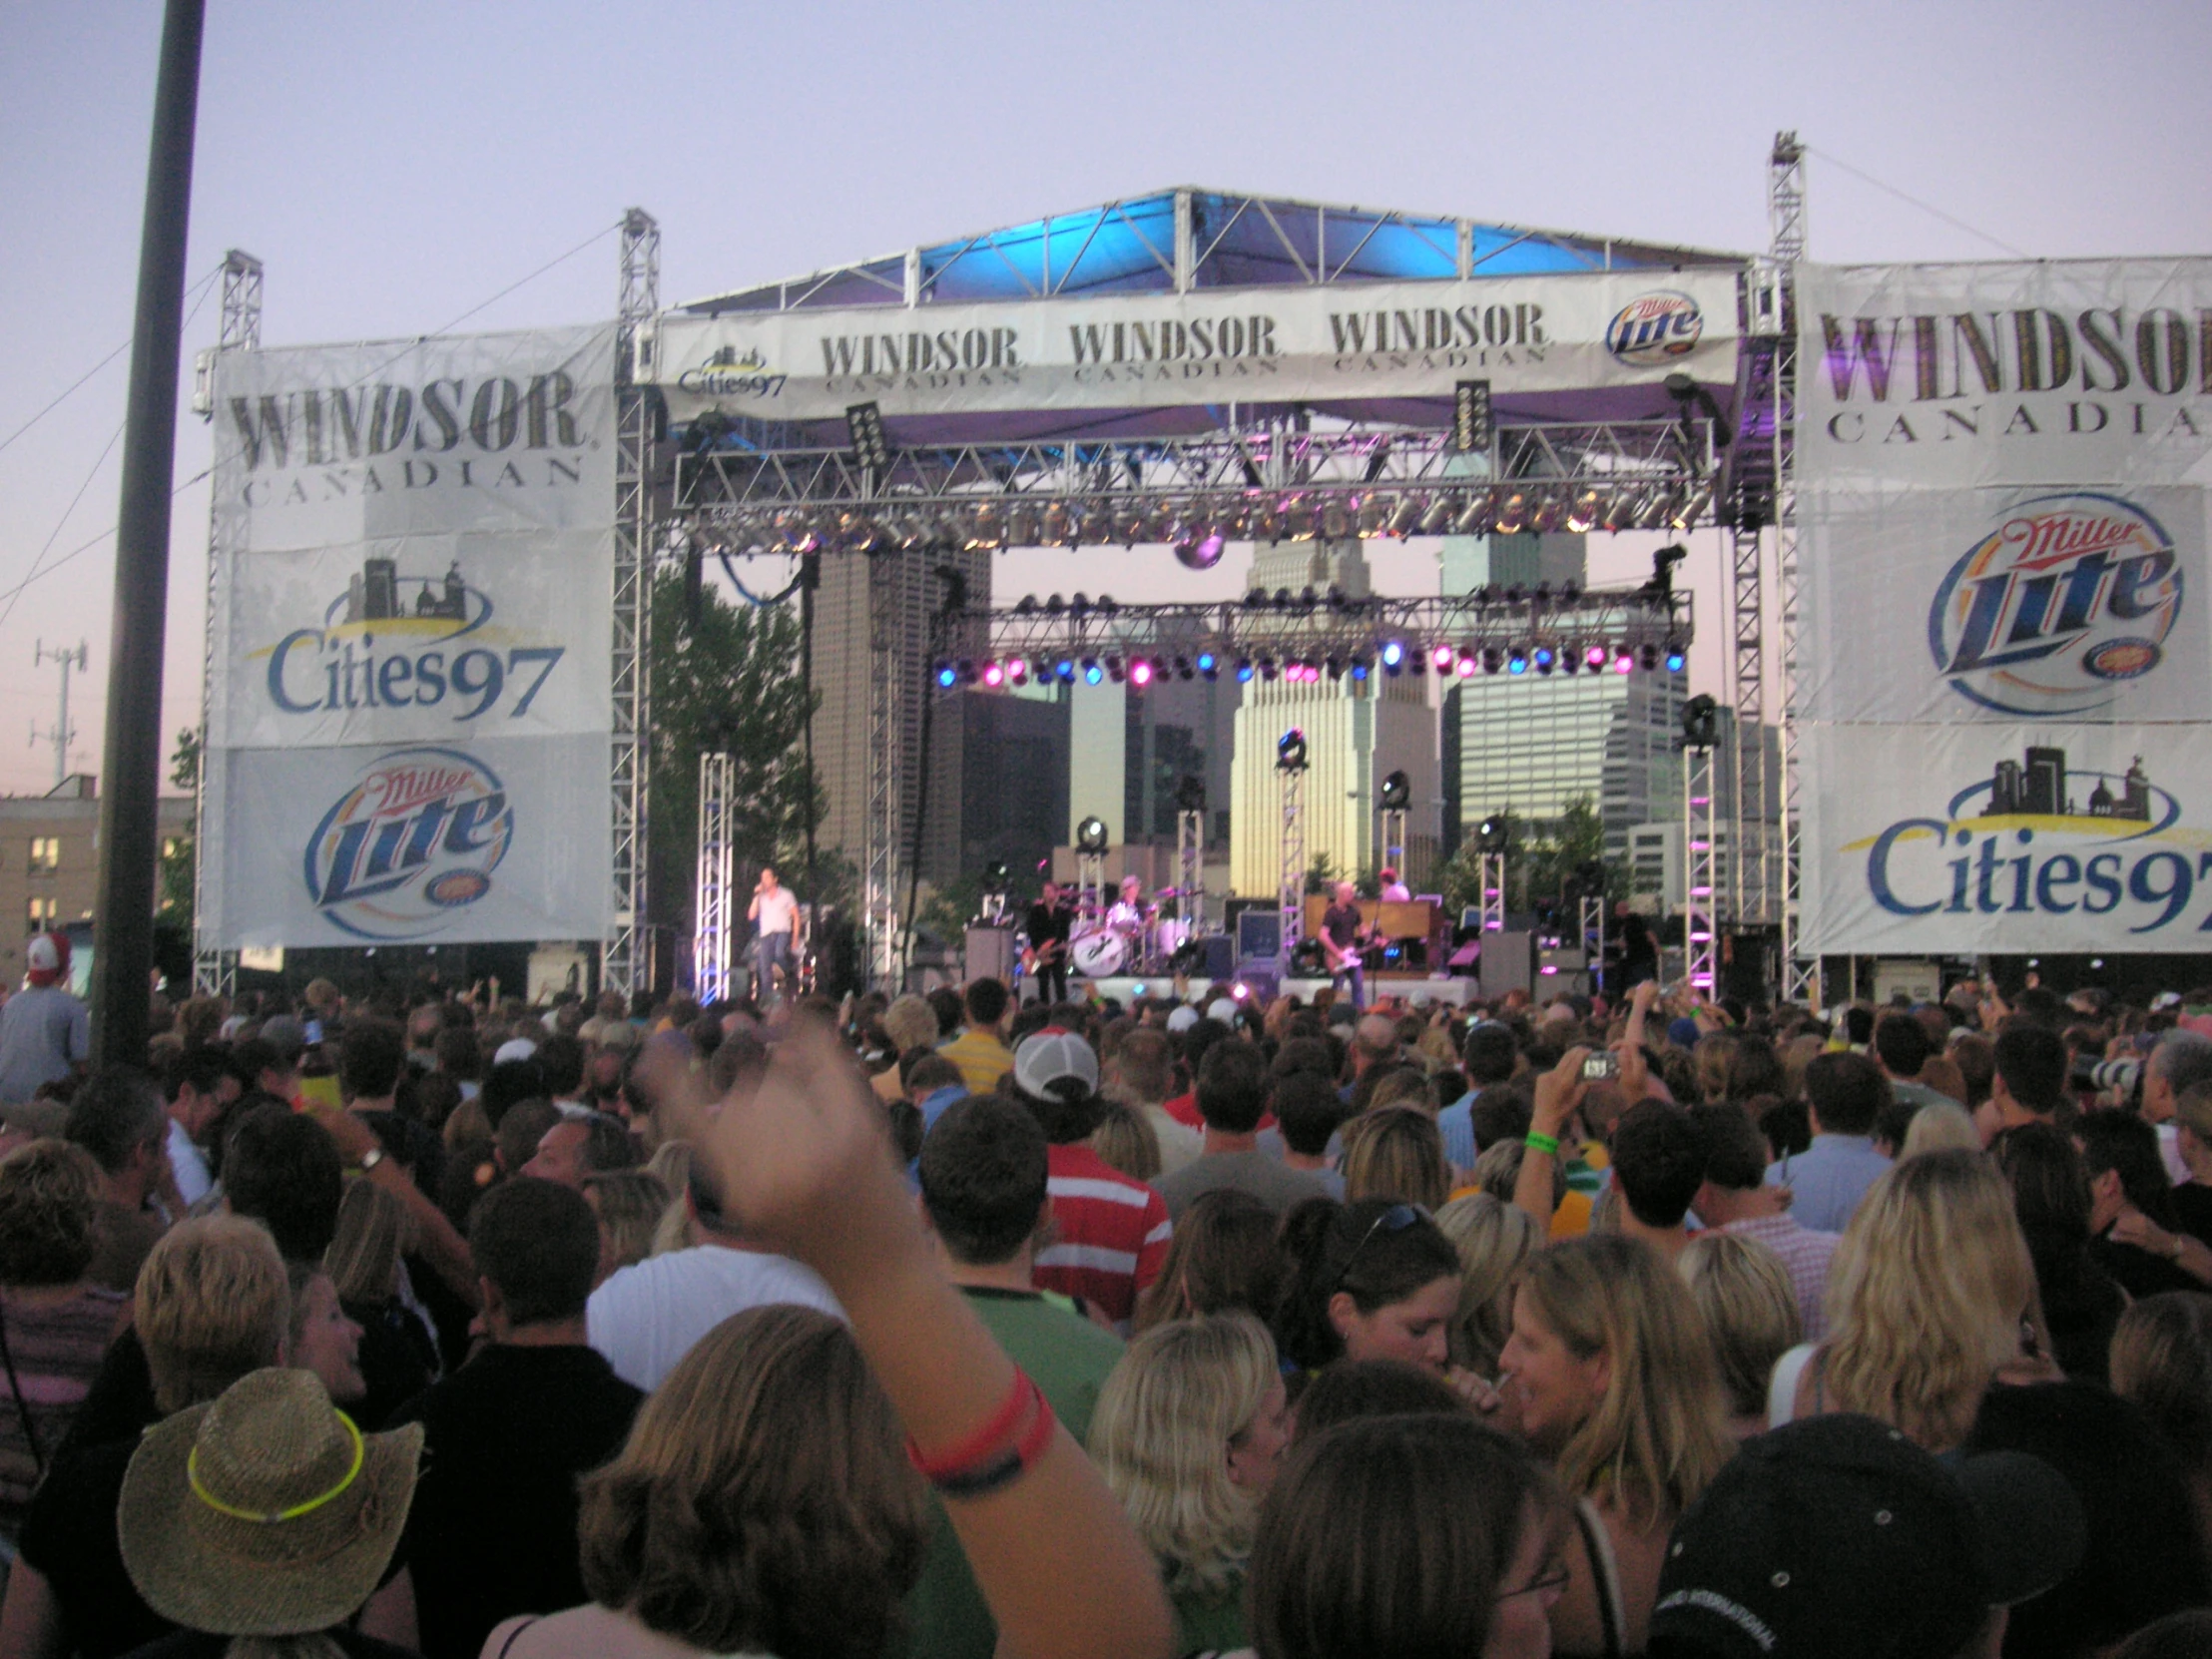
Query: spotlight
(1587,512)
(994,674)
(1438,519)
(1335,523)
(1113,666)
(863,424)
(1266,668)
(1701,722)
(1512,513)
(1517,663)
(1492,659)
(1244,671)
(1494,834)
(1677,658)
(1140,672)
(1404,516)
(1182,668)
(1190,793)
(1208,665)
(1092,673)
(1064,671)
(1290,750)
(1594,658)
(1091,835)
(1467,665)
(1546,657)
(1474,518)
(1358,668)
(1196,552)
(948,675)
(967,671)
(1336,667)
(1394,655)
(1624,661)
(1649,657)
(1443,656)
(1570,661)
(1397,792)
(1017,669)
(996,877)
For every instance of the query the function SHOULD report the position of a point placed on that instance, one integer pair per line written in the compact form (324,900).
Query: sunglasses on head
(1397,1219)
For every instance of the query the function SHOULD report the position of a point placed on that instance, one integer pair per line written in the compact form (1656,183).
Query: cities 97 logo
(414,842)
(2064,600)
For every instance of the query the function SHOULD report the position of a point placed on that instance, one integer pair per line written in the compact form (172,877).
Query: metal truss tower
(1190,870)
(1700,930)
(214,970)
(712,944)
(625,964)
(1290,893)
(888,696)
(1776,315)
(1490,878)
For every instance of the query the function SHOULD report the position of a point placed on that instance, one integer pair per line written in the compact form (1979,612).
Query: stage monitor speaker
(1259,933)
(1506,964)
(990,954)
(1217,960)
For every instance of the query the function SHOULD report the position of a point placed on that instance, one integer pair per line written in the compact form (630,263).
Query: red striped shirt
(1113,1233)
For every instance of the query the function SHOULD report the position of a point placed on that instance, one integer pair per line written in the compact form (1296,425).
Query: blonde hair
(2162,1363)
(1658,1437)
(909,1022)
(630,1204)
(373,1229)
(1925,1296)
(676,1230)
(1395,1152)
(1939,1126)
(1126,1140)
(1750,1310)
(1493,1240)
(212,1304)
(1498,1172)
(1160,1435)
(49,1212)
(466,1124)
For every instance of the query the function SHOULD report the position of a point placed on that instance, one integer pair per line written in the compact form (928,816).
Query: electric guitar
(1340,957)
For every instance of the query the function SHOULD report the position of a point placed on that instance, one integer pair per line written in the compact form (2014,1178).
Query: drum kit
(1121,938)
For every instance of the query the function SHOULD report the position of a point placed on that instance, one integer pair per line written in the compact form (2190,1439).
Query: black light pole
(131,770)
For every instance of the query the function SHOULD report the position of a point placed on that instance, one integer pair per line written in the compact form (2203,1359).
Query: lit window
(46,854)
(42,912)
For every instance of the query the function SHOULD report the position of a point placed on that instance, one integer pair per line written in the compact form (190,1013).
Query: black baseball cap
(1839,1538)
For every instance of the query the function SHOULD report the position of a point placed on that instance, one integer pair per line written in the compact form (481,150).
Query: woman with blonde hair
(1494,1238)
(629,1204)
(1931,1295)
(1127,1141)
(1939,1126)
(1750,1314)
(398,1354)
(1395,1153)
(1189,1432)
(1611,1372)
(2162,1365)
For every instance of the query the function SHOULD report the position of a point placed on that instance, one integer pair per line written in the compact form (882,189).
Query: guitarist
(1047,957)
(1341,938)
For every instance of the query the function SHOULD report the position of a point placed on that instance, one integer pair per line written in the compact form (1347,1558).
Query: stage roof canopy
(1227,240)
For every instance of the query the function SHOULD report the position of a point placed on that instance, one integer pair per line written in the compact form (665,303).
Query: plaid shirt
(1805,1256)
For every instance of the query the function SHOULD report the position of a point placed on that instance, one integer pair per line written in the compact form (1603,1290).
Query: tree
(1321,875)
(725,677)
(173,896)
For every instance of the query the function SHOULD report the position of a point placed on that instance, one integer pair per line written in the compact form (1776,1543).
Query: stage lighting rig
(1290,750)
(1701,722)
(1397,792)
(871,447)
(1091,835)
(1190,793)
(1493,833)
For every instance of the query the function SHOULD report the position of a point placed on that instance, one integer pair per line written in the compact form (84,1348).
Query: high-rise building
(1533,742)
(1752,894)
(1130,748)
(1357,732)
(845,677)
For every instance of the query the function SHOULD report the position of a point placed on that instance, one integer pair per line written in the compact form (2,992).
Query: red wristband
(938,1465)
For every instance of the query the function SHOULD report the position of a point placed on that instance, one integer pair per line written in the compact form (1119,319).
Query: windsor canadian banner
(408,707)
(2004,691)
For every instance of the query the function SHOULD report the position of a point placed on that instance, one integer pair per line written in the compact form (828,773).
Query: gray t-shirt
(1273,1184)
(44,1031)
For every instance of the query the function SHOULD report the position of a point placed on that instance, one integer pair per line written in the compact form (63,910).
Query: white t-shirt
(779,912)
(647,1317)
(189,1164)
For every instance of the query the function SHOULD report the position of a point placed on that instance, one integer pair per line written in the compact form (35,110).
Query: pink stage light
(1140,672)
(994,675)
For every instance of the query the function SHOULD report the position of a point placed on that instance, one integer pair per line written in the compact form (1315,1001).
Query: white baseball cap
(514,1048)
(1182,1017)
(1047,1060)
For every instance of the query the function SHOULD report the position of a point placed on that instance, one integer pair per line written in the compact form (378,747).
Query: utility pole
(61,734)
(131,771)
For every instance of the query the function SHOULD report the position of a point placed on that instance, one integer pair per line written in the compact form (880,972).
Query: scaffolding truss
(1190,872)
(1777,277)
(713,942)
(1289,893)
(625,961)
(886,846)
(214,971)
(1700,872)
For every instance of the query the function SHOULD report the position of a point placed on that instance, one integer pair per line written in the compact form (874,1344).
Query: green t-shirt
(1068,1358)
(1213,1623)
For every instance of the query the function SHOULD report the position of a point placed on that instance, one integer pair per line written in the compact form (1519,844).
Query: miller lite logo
(2067,597)
(1655,328)
(415,839)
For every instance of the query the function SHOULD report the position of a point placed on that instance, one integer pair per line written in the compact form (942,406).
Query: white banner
(492,839)
(2005,666)
(1269,344)
(1965,840)
(2005,602)
(409,725)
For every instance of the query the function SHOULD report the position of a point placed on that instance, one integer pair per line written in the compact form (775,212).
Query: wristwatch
(371,1159)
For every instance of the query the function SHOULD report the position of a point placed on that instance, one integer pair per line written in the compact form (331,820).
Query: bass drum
(1099,955)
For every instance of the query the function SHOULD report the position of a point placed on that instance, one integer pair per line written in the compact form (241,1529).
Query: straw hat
(265,1514)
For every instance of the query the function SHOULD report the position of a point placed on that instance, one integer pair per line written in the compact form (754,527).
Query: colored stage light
(1545,656)
(1064,670)
(1443,657)
(1466,666)
(1677,658)
(1517,663)
(1290,750)
(948,675)
(1017,669)
(1393,653)
(1208,665)
(1243,670)
(1092,673)
(1140,672)
(1358,668)
(1624,661)
(994,675)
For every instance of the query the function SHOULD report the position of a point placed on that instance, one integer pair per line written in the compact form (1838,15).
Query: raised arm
(1558,1092)
(805,1165)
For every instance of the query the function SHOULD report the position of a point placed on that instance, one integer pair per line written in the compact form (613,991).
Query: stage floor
(1457,992)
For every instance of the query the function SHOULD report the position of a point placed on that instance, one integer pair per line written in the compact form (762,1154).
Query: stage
(1126,988)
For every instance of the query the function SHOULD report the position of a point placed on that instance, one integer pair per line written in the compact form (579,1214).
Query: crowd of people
(947,1326)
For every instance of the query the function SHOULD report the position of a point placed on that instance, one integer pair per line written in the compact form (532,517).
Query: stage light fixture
(1190,793)
(996,877)
(1474,517)
(1298,520)
(1594,657)
(1053,529)
(1492,659)
(1335,523)
(1517,662)
(1394,655)
(1438,519)
(1359,668)
(1701,722)
(1404,517)
(1017,669)
(1625,663)
(1208,664)
(1570,661)
(1092,673)
(1114,669)
(1140,672)
(1336,667)
(994,675)
(1548,515)
(1467,665)
(1649,657)
(1091,835)
(1494,834)
(1266,668)
(1244,671)
(1371,516)
(948,676)
(1512,513)
(1290,750)
(1443,657)
(1183,668)
(1677,658)
(967,671)
(863,424)
(1653,510)
(1064,671)
(1200,552)
(1544,658)
(1397,792)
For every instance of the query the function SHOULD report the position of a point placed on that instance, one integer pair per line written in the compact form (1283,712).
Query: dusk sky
(396,163)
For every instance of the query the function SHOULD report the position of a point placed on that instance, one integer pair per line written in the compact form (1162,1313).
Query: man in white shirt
(200,1085)
(774,914)
(647,1317)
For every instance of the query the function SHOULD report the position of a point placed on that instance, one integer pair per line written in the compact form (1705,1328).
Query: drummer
(1127,915)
